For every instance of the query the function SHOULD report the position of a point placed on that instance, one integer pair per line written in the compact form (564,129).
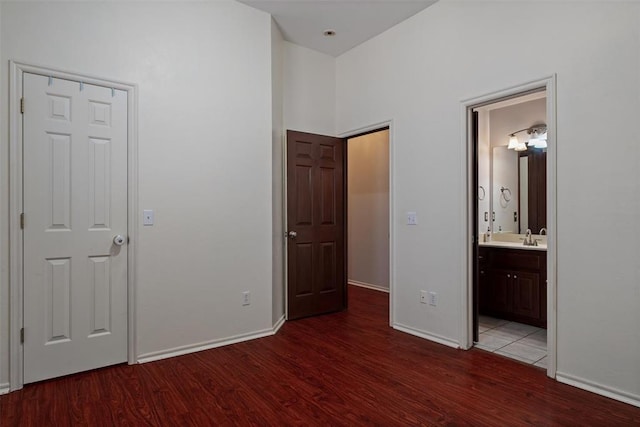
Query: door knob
(119,240)
(293,234)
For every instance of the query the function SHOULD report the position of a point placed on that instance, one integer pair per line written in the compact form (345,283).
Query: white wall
(205,151)
(368,209)
(277,88)
(309,90)
(457,50)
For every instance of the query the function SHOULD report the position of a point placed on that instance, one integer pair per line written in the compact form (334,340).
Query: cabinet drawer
(483,256)
(517,259)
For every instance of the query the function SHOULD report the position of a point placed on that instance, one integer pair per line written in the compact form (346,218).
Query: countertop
(514,245)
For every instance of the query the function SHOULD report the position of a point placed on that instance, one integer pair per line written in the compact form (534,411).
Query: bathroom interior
(510,289)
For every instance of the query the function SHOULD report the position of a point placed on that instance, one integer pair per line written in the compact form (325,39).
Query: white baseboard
(600,389)
(208,345)
(427,335)
(278,324)
(4,388)
(368,286)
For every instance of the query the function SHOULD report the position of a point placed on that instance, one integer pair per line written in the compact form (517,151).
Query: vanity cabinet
(512,284)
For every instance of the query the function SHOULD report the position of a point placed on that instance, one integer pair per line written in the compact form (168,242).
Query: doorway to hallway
(368,210)
(317,227)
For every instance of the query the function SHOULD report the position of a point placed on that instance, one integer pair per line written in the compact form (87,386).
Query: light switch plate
(412,218)
(147,217)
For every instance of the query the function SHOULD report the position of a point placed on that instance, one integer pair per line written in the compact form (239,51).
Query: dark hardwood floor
(348,368)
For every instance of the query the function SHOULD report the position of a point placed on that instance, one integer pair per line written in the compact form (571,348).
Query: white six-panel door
(75,203)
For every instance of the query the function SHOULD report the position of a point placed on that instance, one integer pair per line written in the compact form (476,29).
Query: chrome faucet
(543,229)
(528,240)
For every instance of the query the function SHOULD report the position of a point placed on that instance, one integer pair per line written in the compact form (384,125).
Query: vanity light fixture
(537,137)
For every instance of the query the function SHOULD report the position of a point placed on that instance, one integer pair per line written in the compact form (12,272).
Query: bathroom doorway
(511,207)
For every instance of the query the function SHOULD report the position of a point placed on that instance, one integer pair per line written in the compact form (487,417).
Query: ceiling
(303,22)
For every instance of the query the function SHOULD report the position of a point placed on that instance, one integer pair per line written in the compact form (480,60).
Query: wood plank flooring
(348,368)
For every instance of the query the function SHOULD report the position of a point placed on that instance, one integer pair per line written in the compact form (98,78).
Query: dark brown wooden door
(479,278)
(315,217)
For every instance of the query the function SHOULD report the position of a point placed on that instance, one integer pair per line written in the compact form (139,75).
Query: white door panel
(75,202)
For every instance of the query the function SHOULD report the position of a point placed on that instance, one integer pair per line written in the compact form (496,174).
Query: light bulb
(513,142)
(521,146)
(538,140)
(539,143)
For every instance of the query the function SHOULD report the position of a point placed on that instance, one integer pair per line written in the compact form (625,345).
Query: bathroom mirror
(518,190)
(504,190)
(511,184)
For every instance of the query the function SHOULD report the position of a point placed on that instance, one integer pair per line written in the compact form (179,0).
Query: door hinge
(22,221)
(22,336)
(21,105)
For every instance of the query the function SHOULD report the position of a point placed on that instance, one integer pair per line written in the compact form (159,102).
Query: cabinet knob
(508,275)
(515,277)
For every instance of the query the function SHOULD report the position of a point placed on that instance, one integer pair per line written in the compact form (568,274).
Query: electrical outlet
(246,298)
(433,299)
(423,297)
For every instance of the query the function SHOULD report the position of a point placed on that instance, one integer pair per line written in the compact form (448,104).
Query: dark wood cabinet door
(315,213)
(526,294)
(484,290)
(514,286)
(499,300)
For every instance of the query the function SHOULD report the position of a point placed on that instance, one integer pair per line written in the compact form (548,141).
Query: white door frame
(466,307)
(17,70)
(392,242)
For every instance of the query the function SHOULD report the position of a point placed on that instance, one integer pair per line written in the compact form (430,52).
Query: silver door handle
(293,234)
(119,240)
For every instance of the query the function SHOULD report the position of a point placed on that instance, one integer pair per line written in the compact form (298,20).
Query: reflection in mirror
(523,186)
(505,190)
(536,185)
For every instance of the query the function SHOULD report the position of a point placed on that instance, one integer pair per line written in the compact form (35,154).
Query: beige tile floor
(525,343)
